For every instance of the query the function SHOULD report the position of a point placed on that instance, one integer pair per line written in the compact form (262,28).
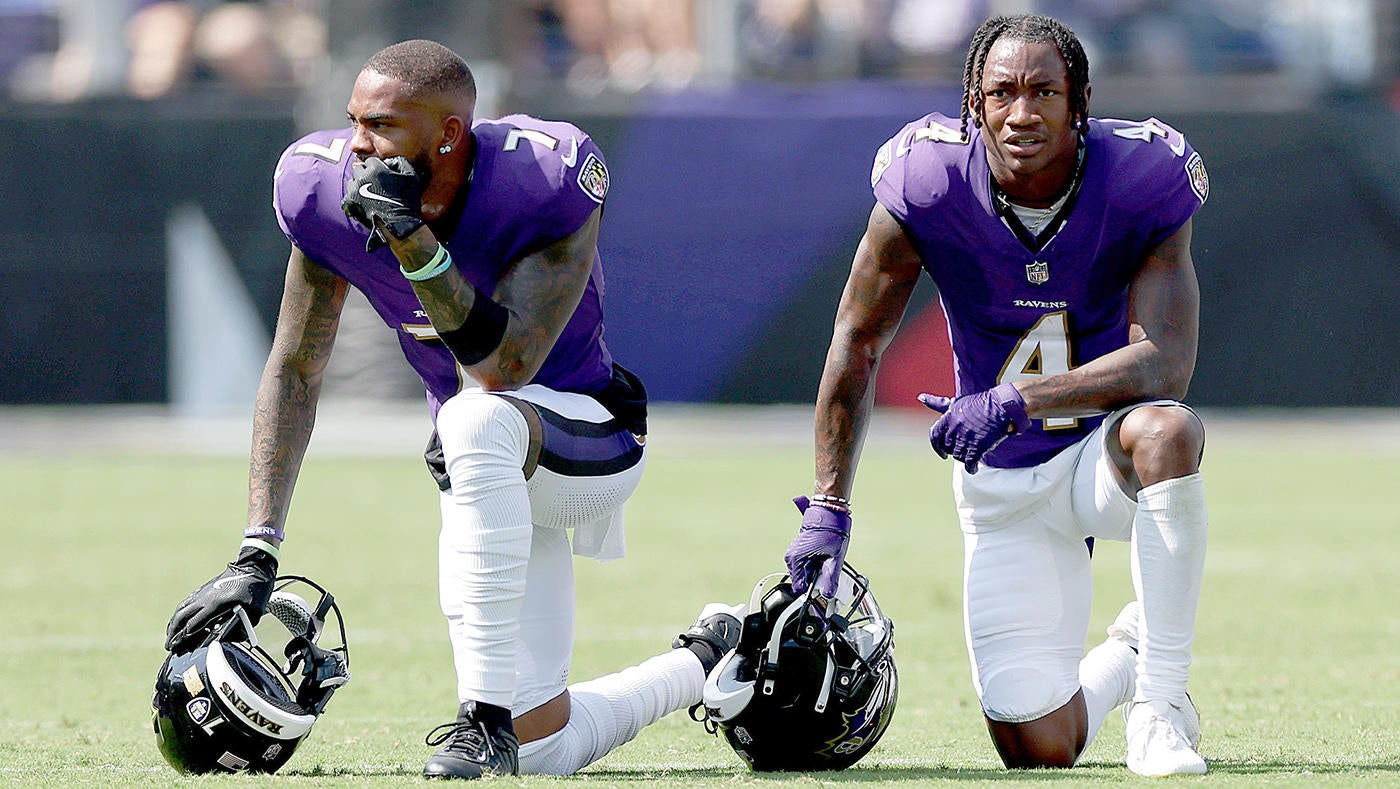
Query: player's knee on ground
(1029,722)
(1019,694)
(479,429)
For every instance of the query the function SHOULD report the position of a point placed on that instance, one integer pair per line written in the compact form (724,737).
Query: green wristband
(440,263)
(250,542)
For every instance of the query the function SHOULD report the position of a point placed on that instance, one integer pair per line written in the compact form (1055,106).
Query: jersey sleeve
(558,177)
(1159,176)
(307,188)
(910,172)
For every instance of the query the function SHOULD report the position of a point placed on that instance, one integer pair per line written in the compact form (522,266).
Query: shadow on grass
(1088,770)
(1259,767)
(357,771)
(853,775)
(893,773)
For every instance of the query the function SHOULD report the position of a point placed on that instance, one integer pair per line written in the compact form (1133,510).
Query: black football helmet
(228,706)
(812,684)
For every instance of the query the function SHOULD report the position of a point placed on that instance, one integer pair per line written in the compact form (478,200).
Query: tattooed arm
(291,384)
(1160,357)
(883,275)
(540,292)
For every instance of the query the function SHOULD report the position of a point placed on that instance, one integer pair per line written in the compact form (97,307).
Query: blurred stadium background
(142,264)
(141,270)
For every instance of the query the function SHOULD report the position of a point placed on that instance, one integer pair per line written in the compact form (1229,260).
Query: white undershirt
(1035,218)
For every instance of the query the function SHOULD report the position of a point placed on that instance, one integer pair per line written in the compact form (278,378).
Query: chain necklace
(1045,213)
(1032,219)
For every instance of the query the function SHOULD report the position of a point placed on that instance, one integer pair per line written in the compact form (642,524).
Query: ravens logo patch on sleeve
(593,178)
(1200,181)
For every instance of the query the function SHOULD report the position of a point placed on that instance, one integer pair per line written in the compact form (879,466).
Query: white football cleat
(1125,629)
(1162,739)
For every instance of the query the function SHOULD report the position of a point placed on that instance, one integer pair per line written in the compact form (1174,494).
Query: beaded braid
(1034,29)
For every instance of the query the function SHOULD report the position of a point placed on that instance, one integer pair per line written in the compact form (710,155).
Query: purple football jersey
(534,182)
(1014,312)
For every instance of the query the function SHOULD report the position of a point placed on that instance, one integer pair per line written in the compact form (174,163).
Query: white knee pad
(484,546)
(483,437)
(1026,603)
(1018,694)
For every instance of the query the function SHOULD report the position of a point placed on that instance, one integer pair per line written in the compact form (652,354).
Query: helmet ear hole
(812,684)
(258,673)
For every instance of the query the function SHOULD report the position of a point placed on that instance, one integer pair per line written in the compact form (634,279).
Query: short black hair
(1034,29)
(427,67)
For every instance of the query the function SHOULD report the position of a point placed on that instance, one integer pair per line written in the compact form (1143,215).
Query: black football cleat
(480,742)
(714,634)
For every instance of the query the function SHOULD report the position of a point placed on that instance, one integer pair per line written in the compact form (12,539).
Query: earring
(445,149)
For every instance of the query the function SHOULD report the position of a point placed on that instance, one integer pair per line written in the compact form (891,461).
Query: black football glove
(387,191)
(246,582)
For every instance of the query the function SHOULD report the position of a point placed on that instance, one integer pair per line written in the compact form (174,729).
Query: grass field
(1297,667)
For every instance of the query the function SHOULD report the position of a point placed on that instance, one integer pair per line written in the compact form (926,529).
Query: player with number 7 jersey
(476,241)
(532,182)
(1022,306)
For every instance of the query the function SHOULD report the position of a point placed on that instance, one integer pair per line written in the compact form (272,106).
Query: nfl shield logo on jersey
(1038,273)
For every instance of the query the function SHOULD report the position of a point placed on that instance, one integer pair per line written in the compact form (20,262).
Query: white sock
(1168,560)
(609,711)
(484,547)
(1107,675)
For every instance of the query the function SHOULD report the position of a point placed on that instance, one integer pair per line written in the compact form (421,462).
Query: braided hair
(1034,29)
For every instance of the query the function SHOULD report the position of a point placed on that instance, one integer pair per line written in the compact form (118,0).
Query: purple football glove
(819,548)
(973,425)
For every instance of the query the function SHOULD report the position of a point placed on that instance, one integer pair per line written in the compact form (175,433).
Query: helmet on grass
(812,684)
(228,706)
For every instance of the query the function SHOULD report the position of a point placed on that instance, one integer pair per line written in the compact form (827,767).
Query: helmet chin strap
(798,608)
(240,617)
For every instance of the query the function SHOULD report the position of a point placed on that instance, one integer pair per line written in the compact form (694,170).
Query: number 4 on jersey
(1151,129)
(1044,350)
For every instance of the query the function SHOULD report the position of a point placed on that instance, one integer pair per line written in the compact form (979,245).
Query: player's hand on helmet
(385,194)
(247,582)
(819,549)
(973,425)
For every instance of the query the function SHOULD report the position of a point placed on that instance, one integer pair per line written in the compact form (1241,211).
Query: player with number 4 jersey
(1061,248)
(1022,306)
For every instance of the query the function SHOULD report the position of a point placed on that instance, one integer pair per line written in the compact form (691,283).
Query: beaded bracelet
(833,503)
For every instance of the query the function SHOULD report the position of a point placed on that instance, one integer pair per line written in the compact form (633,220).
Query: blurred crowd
(63,50)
